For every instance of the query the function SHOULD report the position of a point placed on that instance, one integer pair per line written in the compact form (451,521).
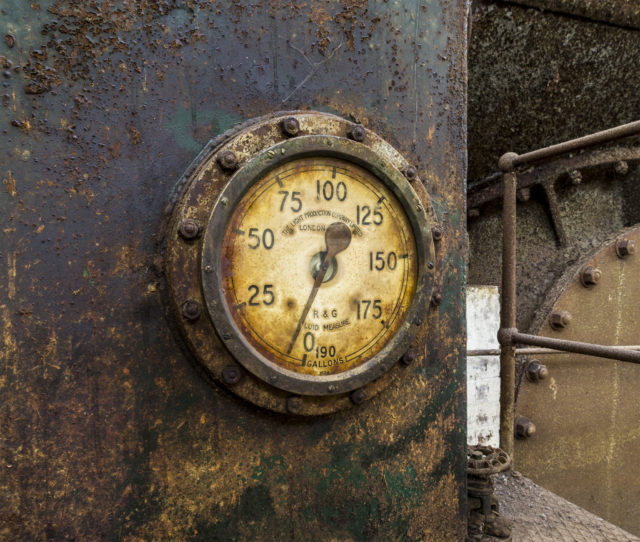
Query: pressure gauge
(313,262)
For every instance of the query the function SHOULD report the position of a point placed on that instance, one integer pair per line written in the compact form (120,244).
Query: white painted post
(483,372)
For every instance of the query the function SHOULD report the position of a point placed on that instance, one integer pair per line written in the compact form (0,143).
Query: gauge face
(318,266)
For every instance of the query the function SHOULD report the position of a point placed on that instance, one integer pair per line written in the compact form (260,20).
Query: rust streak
(10,185)
(11,274)
(9,348)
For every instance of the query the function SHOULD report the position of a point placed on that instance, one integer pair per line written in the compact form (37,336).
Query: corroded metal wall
(109,431)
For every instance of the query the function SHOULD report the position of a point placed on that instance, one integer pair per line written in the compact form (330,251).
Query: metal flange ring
(213,187)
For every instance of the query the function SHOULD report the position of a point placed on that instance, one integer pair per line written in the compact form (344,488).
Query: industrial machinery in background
(233,265)
(543,72)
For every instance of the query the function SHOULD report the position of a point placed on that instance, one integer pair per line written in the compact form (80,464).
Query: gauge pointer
(337,238)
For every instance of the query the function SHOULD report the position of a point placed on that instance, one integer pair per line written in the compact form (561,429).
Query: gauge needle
(337,237)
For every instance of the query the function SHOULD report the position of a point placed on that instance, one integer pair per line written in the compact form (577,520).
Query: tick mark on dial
(241,305)
(279,181)
(240,232)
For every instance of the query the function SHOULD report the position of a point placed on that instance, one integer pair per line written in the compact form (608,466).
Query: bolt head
(559,319)
(228,160)
(291,126)
(358,396)
(536,371)
(189,229)
(590,276)
(411,173)
(625,247)
(525,428)
(575,176)
(621,167)
(408,358)
(436,299)
(436,233)
(357,132)
(191,310)
(231,375)
(294,404)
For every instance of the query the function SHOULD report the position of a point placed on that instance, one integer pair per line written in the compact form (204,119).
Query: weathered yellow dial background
(268,255)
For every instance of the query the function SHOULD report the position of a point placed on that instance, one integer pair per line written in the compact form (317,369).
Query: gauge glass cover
(274,247)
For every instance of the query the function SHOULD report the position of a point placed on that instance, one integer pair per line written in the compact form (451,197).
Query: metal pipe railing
(624,130)
(577,347)
(508,313)
(532,351)
(509,335)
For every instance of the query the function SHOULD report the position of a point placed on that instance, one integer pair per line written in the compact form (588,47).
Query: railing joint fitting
(505,335)
(507,162)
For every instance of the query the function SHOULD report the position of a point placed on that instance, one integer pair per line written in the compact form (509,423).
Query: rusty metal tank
(125,413)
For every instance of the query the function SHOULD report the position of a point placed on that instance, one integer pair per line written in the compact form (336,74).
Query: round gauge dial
(319,266)
(316,266)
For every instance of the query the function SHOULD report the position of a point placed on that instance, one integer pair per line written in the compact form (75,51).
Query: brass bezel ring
(234,340)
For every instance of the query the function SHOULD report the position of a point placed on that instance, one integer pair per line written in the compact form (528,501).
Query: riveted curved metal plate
(587,411)
(210,194)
